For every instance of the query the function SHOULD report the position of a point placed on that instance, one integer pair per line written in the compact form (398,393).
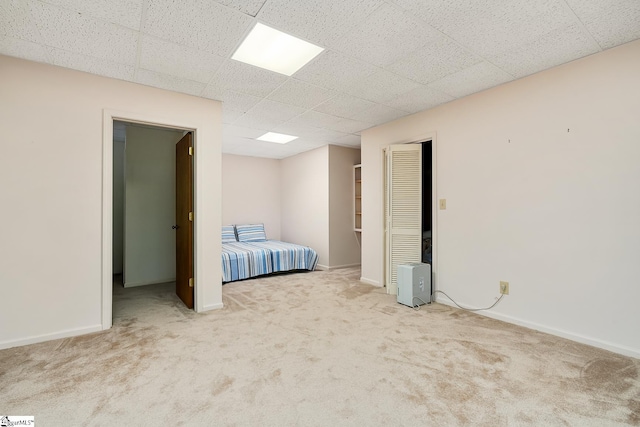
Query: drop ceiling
(383,59)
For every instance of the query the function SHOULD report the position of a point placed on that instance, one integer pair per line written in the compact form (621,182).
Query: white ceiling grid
(383,59)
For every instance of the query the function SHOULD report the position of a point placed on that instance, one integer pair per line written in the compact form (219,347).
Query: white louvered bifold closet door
(403,209)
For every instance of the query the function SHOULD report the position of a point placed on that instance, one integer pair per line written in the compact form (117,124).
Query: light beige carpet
(316,349)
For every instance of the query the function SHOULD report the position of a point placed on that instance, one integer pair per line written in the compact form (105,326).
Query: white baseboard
(50,337)
(217,306)
(335,267)
(152,282)
(345,266)
(615,348)
(370,282)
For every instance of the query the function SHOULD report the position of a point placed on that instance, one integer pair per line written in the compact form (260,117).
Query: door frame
(108,118)
(429,136)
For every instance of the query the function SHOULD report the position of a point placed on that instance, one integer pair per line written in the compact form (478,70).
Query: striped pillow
(251,233)
(228,234)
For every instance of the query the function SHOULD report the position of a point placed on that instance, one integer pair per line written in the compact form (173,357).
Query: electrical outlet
(504,288)
(443,204)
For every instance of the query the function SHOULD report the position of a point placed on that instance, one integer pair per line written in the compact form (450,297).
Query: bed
(247,253)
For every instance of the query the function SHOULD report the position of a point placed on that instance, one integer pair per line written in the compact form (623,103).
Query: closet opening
(427,200)
(409,198)
(148,237)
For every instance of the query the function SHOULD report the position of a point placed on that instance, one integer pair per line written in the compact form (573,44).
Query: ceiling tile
(16,21)
(317,119)
(318,21)
(23,49)
(303,128)
(239,77)
(179,61)
(252,147)
(73,32)
(250,7)
(382,86)
(91,65)
(321,122)
(293,127)
(281,151)
(301,94)
(165,81)
(350,126)
(213,92)
(387,35)
(241,131)
(470,80)
(553,49)
(343,105)
(229,115)
(268,114)
(122,12)
(349,140)
(234,100)
(419,99)
(328,135)
(379,114)
(490,27)
(335,71)
(306,142)
(436,59)
(611,22)
(202,24)
(302,146)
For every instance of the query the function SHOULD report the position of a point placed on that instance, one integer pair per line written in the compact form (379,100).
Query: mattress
(243,260)
(289,256)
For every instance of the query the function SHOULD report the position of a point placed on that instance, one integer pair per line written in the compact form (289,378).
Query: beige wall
(344,247)
(541,180)
(305,201)
(51,169)
(317,204)
(150,206)
(251,192)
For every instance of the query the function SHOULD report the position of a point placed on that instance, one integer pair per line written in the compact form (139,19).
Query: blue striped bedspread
(289,256)
(243,260)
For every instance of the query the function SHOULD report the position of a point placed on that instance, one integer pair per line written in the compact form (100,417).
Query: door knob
(174,227)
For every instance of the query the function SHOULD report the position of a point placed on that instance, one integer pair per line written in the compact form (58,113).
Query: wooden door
(184,220)
(403,209)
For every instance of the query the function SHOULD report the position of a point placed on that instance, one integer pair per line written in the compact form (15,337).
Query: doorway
(409,193)
(427,208)
(140,120)
(148,193)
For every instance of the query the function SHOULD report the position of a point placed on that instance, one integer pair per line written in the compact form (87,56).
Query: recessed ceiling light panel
(279,138)
(274,50)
